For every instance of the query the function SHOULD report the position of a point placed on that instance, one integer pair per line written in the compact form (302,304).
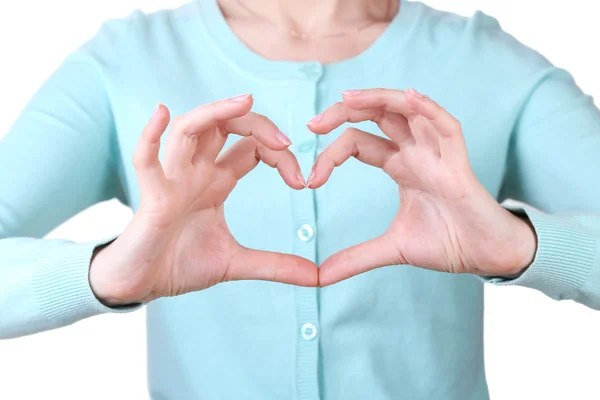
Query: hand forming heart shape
(178,240)
(447,221)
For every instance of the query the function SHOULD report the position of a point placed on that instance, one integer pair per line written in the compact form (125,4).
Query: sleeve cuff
(61,284)
(565,257)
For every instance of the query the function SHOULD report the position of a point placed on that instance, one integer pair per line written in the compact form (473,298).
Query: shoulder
(477,41)
(119,39)
(459,58)
(147,25)
(164,21)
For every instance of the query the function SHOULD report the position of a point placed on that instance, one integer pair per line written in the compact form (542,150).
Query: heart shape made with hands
(447,221)
(178,240)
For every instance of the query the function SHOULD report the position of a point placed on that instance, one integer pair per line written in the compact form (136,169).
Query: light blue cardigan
(393,333)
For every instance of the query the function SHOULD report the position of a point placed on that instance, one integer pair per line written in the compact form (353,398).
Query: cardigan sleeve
(554,170)
(58,158)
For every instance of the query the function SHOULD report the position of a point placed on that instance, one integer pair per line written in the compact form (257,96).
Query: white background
(535,348)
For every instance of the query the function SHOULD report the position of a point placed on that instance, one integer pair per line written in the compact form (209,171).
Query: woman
(499,121)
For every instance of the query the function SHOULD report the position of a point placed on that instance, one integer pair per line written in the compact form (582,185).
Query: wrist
(99,277)
(525,247)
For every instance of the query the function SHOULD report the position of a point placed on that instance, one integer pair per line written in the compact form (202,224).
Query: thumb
(363,257)
(276,267)
(151,177)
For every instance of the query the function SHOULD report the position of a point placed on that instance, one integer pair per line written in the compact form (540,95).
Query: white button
(309,331)
(313,70)
(306,232)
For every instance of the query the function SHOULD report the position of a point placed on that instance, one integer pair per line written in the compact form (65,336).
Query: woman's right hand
(178,241)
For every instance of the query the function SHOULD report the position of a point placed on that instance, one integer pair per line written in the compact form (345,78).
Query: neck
(318,16)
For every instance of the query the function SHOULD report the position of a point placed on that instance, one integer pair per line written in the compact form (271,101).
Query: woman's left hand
(447,221)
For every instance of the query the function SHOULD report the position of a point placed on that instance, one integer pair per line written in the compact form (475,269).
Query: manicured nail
(241,97)
(415,93)
(315,119)
(353,92)
(300,178)
(282,138)
(311,177)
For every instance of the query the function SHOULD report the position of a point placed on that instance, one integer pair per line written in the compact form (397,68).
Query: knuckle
(351,133)
(385,93)
(378,115)
(252,114)
(455,125)
(261,119)
(179,122)
(349,137)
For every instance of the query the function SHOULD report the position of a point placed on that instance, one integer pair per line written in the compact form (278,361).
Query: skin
(178,240)
(314,16)
(447,220)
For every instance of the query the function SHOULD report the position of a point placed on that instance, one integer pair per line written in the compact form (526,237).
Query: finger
(149,172)
(365,147)
(448,128)
(425,134)
(183,137)
(338,114)
(251,264)
(245,154)
(390,100)
(260,128)
(441,119)
(255,125)
(375,253)
(395,126)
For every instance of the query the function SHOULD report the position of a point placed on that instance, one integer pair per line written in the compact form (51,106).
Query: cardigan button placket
(304,91)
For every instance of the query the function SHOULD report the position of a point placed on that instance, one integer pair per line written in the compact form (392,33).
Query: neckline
(248,62)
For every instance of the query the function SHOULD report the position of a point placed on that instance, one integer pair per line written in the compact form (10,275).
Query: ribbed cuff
(61,284)
(565,257)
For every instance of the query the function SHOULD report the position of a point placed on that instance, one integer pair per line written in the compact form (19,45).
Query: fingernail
(241,97)
(156,110)
(300,178)
(282,138)
(415,93)
(352,92)
(311,177)
(315,119)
